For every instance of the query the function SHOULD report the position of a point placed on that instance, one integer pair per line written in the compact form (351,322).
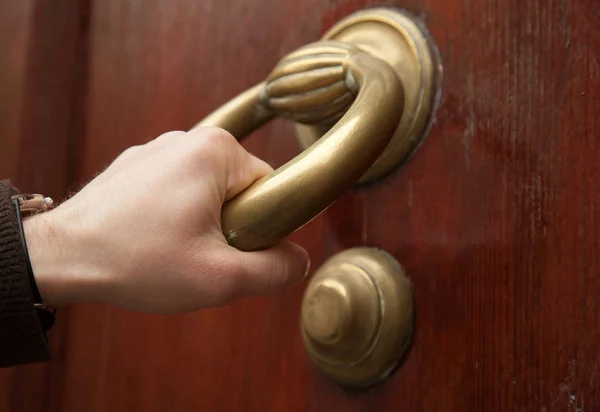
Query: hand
(146,233)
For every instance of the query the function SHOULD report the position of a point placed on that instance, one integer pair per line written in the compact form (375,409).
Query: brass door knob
(357,316)
(369,87)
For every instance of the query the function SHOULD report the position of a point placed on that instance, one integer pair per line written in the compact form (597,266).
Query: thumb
(271,270)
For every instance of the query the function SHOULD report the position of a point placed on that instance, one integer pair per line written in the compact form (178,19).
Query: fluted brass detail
(404,44)
(361,100)
(311,85)
(357,79)
(286,199)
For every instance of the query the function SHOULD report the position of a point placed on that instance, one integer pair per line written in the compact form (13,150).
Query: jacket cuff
(21,337)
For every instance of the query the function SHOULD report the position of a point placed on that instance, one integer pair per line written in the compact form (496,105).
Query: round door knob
(357,316)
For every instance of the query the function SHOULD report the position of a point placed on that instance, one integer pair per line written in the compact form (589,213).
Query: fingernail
(305,273)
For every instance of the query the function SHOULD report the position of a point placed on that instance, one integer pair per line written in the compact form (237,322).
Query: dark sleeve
(21,337)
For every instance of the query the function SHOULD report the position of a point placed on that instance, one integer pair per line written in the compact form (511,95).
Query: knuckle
(267,276)
(276,278)
(129,152)
(212,137)
(169,136)
(212,146)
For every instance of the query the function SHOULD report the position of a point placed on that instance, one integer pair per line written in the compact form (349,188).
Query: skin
(145,234)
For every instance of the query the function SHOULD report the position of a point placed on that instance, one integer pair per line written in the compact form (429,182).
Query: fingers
(268,271)
(239,168)
(215,156)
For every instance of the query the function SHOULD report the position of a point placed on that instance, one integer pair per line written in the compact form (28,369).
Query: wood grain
(14,38)
(495,218)
(42,67)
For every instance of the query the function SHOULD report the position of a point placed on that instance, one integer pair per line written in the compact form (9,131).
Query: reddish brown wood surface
(42,75)
(495,219)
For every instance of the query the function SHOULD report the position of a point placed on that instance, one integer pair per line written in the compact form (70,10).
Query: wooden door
(496,218)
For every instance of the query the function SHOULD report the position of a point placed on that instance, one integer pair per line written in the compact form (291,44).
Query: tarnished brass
(352,91)
(400,41)
(283,201)
(311,85)
(357,316)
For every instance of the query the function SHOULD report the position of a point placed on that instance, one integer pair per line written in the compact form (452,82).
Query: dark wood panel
(13,41)
(42,72)
(495,218)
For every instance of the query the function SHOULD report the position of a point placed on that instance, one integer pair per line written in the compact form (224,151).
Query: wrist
(57,254)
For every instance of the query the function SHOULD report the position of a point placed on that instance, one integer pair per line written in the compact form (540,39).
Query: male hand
(146,233)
